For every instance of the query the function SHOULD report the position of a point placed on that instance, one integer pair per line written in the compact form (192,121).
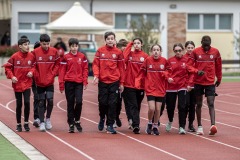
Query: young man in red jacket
(19,69)
(206,63)
(46,68)
(73,77)
(108,69)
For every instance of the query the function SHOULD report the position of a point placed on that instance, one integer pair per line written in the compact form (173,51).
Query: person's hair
(189,42)
(23,36)
(108,34)
(138,39)
(122,43)
(23,40)
(44,38)
(72,41)
(36,45)
(178,44)
(156,45)
(206,37)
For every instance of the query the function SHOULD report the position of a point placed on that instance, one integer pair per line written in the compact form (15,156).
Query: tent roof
(77,20)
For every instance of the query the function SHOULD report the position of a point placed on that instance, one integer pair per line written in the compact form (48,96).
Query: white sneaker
(115,125)
(130,124)
(48,124)
(168,126)
(182,131)
(200,130)
(36,122)
(42,127)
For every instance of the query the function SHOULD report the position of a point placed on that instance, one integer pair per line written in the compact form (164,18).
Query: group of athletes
(122,70)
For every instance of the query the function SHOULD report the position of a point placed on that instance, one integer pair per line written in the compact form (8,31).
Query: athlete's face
(137,44)
(206,42)
(110,41)
(74,48)
(45,45)
(178,51)
(190,48)
(156,52)
(24,47)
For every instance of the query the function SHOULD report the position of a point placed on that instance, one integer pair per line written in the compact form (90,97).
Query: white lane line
(192,134)
(132,138)
(236,104)
(51,134)
(27,149)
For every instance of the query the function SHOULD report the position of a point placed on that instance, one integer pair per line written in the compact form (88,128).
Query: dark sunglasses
(177,51)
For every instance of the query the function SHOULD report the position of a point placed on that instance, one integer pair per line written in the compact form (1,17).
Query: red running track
(92,144)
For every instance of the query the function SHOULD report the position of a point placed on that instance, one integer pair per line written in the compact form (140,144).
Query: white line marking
(54,136)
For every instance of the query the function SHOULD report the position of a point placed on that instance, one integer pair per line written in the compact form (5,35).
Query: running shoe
(78,126)
(213,130)
(181,130)
(136,130)
(19,128)
(149,129)
(36,123)
(200,130)
(191,128)
(48,124)
(155,131)
(71,128)
(101,124)
(168,126)
(26,127)
(111,130)
(42,127)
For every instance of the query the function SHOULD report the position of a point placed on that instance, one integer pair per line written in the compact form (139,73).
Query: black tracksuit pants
(190,106)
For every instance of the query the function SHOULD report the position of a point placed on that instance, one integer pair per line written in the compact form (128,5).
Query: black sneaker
(191,128)
(111,130)
(71,128)
(78,126)
(149,129)
(136,130)
(155,131)
(118,122)
(26,127)
(19,128)
(101,124)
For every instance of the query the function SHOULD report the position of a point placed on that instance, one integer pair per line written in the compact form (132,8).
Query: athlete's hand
(85,87)
(200,73)
(30,74)
(170,80)
(61,91)
(95,80)
(189,88)
(217,83)
(121,88)
(14,79)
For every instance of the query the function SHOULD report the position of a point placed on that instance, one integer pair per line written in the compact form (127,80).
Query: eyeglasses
(177,50)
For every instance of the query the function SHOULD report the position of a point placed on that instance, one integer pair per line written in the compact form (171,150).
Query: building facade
(175,20)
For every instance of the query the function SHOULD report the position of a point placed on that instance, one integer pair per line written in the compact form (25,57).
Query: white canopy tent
(77,20)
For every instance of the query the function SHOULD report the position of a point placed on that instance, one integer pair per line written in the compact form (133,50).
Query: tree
(144,30)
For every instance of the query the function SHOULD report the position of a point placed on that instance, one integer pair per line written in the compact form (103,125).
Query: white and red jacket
(180,75)
(108,65)
(46,66)
(133,61)
(19,65)
(210,62)
(155,72)
(73,68)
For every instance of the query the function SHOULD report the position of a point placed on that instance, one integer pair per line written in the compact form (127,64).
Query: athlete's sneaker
(78,126)
(115,125)
(168,126)
(130,124)
(149,129)
(181,130)
(191,128)
(71,128)
(118,122)
(111,130)
(19,128)
(48,124)
(200,130)
(26,127)
(101,124)
(155,131)
(213,130)
(136,130)
(36,123)
(42,127)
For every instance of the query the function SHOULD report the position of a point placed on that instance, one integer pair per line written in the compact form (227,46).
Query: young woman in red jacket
(73,78)
(108,69)
(177,89)
(154,74)
(133,96)
(19,69)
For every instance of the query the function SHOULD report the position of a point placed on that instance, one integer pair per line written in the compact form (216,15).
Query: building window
(210,22)
(122,20)
(29,24)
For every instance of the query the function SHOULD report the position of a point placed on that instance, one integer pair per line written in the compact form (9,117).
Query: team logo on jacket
(184,65)
(141,59)
(211,56)
(40,58)
(29,62)
(103,54)
(161,66)
(114,56)
(150,66)
(130,58)
(18,62)
(50,57)
(200,56)
(79,60)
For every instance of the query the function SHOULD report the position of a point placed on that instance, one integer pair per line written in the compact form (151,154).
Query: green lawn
(8,151)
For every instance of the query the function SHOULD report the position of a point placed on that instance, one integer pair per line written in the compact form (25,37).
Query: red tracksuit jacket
(73,68)
(46,66)
(108,65)
(210,62)
(19,65)
(134,61)
(180,75)
(155,72)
